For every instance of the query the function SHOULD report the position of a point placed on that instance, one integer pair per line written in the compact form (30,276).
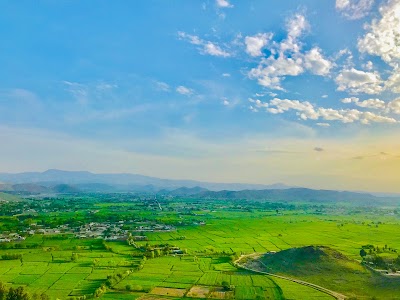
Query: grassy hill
(8,197)
(330,269)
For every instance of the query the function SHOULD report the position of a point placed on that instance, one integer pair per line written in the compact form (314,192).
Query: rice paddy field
(71,268)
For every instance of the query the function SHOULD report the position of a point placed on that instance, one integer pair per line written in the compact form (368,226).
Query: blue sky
(212,90)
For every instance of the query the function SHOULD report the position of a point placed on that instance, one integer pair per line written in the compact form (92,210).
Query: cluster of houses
(12,237)
(106,230)
(154,227)
(97,230)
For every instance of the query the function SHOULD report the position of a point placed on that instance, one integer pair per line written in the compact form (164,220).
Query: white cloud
(350,100)
(297,25)
(255,43)
(393,82)
(356,81)
(223,3)
(394,106)
(305,110)
(346,56)
(225,102)
(286,58)
(324,96)
(323,124)
(184,90)
(215,50)
(369,103)
(226,75)
(162,86)
(382,37)
(354,9)
(369,117)
(258,103)
(316,63)
(369,65)
(206,47)
(372,103)
(253,109)
(271,71)
(104,86)
(79,91)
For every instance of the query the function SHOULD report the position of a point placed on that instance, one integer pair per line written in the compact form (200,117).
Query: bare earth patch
(220,293)
(198,291)
(152,297)
(168,291)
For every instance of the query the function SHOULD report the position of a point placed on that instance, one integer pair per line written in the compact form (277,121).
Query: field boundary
(334,294)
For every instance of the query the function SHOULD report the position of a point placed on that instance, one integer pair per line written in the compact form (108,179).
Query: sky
(301,92)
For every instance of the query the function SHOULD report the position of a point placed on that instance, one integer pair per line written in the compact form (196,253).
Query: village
(94,230)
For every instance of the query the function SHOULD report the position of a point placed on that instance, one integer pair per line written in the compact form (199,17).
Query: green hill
(330,269)
(9,197)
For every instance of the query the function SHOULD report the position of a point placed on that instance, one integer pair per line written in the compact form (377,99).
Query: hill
(121,182)
(300,195)
(328,268)
(184,191)
(9,198)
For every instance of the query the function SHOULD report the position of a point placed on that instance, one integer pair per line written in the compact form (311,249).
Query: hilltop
(329,268)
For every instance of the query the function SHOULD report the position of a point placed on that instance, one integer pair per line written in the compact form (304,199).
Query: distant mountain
(299,195)
(121,182)
(32,188)
(184,191)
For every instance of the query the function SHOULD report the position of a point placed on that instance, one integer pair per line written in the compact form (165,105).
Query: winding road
(334,294)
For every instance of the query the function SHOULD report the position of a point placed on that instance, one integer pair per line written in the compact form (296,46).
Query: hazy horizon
(216,91)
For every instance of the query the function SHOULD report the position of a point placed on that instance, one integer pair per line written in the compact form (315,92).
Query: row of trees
(19,293)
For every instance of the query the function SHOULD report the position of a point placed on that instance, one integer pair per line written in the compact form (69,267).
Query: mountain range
(64,182)
(120,182)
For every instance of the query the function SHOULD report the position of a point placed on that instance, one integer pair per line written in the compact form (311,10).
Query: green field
(65,267)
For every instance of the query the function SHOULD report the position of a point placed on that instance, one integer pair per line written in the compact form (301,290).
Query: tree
(363,253)
(3,291)
(17,294)
(225,285)
(74,257)
(158,252)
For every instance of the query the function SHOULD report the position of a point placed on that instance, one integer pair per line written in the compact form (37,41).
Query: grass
(330,269)
(208,264)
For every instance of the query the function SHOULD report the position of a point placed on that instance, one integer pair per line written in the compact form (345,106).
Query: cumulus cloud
(323,124)
(369,117)
(258,103)
(296,26)
(223,3)
(286,57)
(357,81)
(205,47)
(307,111)
(393,82)
(316,63)
(255,43)
(369,103)
(226,75)
(354,9)
(394,106)
(271,71)
(184,90)
(382,36)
